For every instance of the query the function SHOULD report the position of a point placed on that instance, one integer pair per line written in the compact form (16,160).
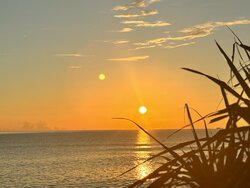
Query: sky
(75,65)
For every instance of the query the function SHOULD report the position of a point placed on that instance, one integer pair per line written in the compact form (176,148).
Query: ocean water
(79,159)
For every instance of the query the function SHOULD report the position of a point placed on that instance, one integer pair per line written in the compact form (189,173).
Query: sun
(143,109)
(102,77)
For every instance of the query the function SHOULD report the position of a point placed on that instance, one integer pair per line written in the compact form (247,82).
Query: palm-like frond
(218,161)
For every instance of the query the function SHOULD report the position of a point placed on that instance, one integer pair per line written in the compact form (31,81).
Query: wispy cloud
(137,9)
(140,23)
(190,33)
(117,42)
(130,59)
(179,45)
(135,4)
(132,22)
(70,55)
(74,67)
(142,13)
(162,40)
(206,29)
(125,30)
(143,47)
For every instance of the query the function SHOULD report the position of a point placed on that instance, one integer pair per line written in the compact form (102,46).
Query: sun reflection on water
(143,146)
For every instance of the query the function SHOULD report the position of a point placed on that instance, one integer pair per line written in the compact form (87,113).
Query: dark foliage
(221,160)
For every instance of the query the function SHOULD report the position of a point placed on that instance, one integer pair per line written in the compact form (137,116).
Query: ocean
(80,158)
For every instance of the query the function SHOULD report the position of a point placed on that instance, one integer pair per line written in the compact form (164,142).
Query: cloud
(143,47)
(190,33)
(143,13)
(137,9)
(120,42)
(74,67)
(168,42)
(39,126)
(131,22)
(125,30)
(135,4)
(179,45)
(206,29)
(70,55)
(161,42)
(117,42)
(140,23)
(121,8)
(129,59)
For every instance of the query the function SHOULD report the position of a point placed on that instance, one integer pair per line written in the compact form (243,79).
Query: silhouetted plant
(219,161)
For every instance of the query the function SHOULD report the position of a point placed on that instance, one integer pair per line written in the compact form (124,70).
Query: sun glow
(102,77)
(143,110)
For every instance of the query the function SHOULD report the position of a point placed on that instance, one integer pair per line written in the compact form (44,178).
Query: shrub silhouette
(219,161)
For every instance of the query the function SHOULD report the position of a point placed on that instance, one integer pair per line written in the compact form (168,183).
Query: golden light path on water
(143,152)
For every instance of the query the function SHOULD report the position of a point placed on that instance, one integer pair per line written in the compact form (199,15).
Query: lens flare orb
(102,77)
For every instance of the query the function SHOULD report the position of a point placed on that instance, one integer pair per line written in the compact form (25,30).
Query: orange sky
(50,61)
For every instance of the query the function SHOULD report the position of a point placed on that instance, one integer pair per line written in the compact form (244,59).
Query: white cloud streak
(143,13)
(74,67)
(179,45)
(206,29)
(70,55)
(129,59)
(125,30)
(140,23)
(190,33)
(118,42)
(135,4)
